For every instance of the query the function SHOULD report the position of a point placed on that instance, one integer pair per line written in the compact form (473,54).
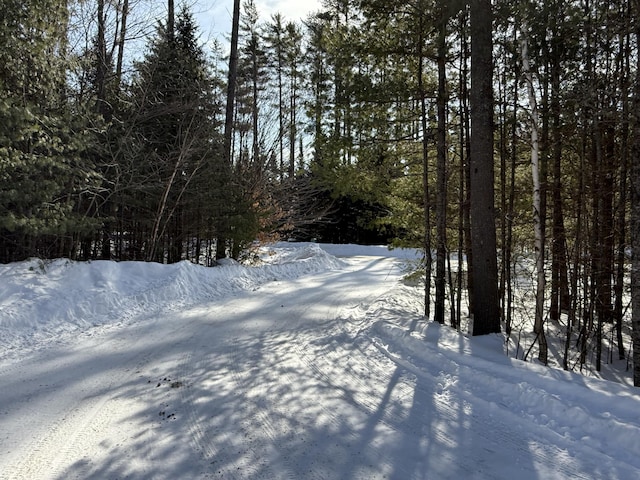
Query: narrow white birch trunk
(537,220)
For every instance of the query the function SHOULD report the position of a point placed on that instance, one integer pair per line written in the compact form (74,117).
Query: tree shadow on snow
(291,399)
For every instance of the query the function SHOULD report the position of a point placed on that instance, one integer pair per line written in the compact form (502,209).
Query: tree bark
(121,40)
(441,141)
(510,206)
(560,299)
(621,225)
(466,166)
(228,121)
(171,24)
(635,214)
(425,177)
(538,327)
(486,312)
(231,83)
(462,167)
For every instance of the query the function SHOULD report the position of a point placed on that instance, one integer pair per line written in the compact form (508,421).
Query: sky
(214,16)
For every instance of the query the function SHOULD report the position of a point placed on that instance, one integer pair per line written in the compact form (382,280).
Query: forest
(506,133)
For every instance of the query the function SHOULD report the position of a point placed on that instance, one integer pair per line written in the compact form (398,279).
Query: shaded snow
(304,366)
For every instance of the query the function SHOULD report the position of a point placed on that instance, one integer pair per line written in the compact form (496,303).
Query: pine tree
(175,143)
(43,172)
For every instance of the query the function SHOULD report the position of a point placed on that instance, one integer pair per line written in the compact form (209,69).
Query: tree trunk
(231,83)
(254,108)
(537,220)
(503,128)
(441,208)
(560,298)
(101,62)
(228,121)
(635,214)
(292,123)
(425,179)
(486,313)
(466,166)
(512,182)
(462,168)
(121,40)
(278,31)
(171,24)
(621,224)
(102,108)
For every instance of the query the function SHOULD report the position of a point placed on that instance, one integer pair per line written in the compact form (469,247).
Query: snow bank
(43,301)
(587,414)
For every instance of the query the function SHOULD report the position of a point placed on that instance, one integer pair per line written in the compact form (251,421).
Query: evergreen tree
(43,172)
(175,145)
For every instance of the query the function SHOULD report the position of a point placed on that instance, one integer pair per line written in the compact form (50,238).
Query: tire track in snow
(278,405)
(266,424)
(217,449)
(391,408)
(201,442)
(80,405)
(226,430)
(68,439)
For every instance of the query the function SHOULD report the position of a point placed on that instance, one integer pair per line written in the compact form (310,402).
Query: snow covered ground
(315,364)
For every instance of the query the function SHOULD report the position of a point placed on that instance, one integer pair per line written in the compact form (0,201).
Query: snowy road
(297,379)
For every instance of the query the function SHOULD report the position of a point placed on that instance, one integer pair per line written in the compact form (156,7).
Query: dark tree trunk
(510,207)
(486,314)
(635,214)
(560,299)
(621,225)
(171,24)
(121,40)
(228,121)
(441,141)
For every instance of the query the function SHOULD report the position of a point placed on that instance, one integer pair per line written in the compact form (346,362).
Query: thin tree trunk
(503,128)
(537,220)
(121,40)
(292,125)
(228,122)
(462,168)
(425,180)
(171,23)
(635,213)
(101,63)
(512,182)
(559,278)
(102,108)
(466,167)
(621,230)
(280,109)
(254,109)
(441,218)
(231,83)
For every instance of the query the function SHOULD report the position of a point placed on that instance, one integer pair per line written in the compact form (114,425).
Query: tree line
(503,132)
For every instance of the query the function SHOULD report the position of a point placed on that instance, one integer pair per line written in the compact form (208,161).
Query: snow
(315,362)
